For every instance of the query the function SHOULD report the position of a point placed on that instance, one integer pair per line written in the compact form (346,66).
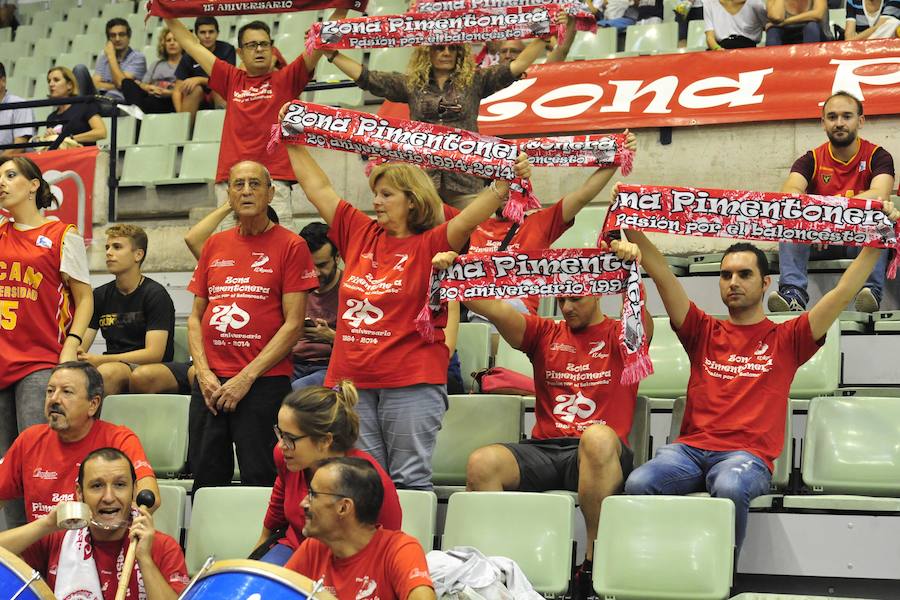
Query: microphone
(144,498)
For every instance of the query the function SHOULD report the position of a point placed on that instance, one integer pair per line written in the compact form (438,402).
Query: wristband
(330,57)
(76,336)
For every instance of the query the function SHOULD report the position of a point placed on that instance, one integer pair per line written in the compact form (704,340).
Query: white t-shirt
(748,22)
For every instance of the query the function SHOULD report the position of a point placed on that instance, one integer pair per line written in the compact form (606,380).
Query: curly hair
(427,208)
(161,43)
(419,68)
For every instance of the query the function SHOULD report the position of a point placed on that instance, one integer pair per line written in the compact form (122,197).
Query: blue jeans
(277,555)
(809,33)
(793,259)
(679,469)
(306,374)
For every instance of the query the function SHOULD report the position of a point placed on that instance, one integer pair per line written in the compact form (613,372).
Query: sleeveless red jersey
(832,177)
(35,304)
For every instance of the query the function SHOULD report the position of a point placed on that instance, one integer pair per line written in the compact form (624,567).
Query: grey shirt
(133,62)
(15,115)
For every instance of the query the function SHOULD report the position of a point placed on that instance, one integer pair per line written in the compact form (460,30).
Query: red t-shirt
(43,556)
(385,285)
(576,378)
(252,108)
(390,567)
(290,489)
(43,469)
(741,375)
(35,306)
(244,278)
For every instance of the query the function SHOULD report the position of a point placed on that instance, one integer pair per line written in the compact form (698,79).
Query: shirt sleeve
(391,514)
(169,560)
(345,225)
(159,310)
(391,86)
(98,301)
(11,471)
(299,271)
(801,334)
(74,257)
(198,285)
(37,555)
(129,443)
(300,562)
(532,334)
(183,70)
(297,75)
(882,162)
(101,68)
(275,513)
(228,53)
(805,166)
(23,115)
(689,330)
(708,20)
(494,79)
(135,63)
(220,77)
(407,567)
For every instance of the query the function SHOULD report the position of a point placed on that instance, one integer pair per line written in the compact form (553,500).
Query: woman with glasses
(314,423)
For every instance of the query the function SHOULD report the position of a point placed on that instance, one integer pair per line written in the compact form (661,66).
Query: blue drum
(251,580)
(19,581)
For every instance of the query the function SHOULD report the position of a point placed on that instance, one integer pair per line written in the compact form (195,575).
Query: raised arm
(674,298)
(350,67)
(573,202)
(314,181)
(561,51)
(311,58)
(18,539)
(510,323)
(527,57)
(199,233)
(190,44)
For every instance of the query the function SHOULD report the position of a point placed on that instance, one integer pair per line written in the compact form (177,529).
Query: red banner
(695,88)
(171,9)
(70,174)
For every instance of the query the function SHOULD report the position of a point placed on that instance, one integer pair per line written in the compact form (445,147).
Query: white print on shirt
(262,259)
(220,263)
(559,347)
(367,588)
(596,350)
(737,365)
(362,311)
(39,473)
(378,285)
(578,374)
(569,406)
(253,93)
(232,316)
(761,349)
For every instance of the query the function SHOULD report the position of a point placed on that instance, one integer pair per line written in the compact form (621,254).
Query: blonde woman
(154,93)
(78,124)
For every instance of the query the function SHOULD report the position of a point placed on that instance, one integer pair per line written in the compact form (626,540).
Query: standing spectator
(19,135)
(154,93)
(845,165)
(46,272)
(442,85)
(797,22)
(79,123)
(250,296)
(134,312)
(253,98)
(868,20)
(734,23)
(401,377)
(119,61)
(191,82)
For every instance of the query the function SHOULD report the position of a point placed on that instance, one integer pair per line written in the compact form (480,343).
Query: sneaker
(583,585)
(866,301)
(786,300)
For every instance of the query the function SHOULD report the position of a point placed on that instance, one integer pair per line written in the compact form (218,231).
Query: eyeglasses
(313,493)
(239,184)
(256,45)
(289,441)
(117,34)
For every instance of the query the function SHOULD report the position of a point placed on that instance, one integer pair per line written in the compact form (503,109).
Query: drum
(16,577)
(251,580)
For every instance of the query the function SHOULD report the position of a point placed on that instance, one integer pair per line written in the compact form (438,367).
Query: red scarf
(171,9)
(584,18)
(595,150)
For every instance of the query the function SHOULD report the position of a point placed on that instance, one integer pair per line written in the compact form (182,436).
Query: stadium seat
(160,422)
(419,516)
(328,73)
(389,7)
(584,231)
(535,530)
(125,127)
(198,163)
(117,9)
(24,85)
(838,16)
(49,47)
(514,359)
(168,128)
(96,26)
(182,349)
(87,44)
(66,30)
(671,367)
(850,453)
(297,23)
(696,36)
(473,421)
(474,346)
(820,375)
(639,436)
(31,32)
(652,39)
(291,45)
(390,59)
(70,59)
(5,34)
(589,46)
(145,165)
(31,66)
(81,14)
(664,547)
(169,518)
(242,508)
(208,126)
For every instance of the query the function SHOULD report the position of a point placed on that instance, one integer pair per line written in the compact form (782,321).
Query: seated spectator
(868,20)
(19,135)
(346,549)
(620,14)
(42,463)
(191,81)
(685,12)
(734,23)
(118,62)
(326,418)
(136,316)
(106,483)
(797,22)
(8,14)
(650,12)
(557,50)
(78,124)
(153,94)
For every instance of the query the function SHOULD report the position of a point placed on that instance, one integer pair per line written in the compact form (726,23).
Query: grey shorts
(180,373)
(553,464)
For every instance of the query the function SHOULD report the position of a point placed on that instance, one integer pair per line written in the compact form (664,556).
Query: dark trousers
(147,103)
(249,428)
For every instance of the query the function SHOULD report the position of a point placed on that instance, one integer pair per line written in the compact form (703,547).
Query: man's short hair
(92,377)
(134,233)
(118,21)
(200,21)
(2,71)
(108,454)
(264,168)
(316,236)
(762,262)
(843,94)
(359,481)
(257,25)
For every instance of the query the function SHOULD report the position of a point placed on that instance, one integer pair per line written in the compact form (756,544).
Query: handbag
(500,380)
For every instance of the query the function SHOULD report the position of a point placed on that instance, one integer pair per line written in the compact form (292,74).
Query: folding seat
(473,343)
(419,515)
(652,39)
(148,165)
(166,128)
(169,518)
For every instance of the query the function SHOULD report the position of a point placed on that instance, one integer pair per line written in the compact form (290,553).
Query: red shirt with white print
(385,285)
(741,375)
(244,277)
(576,378)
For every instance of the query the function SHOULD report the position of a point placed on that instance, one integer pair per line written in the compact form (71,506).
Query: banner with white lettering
(696,88)
(429,29)
(757,216)
(584,18)
(599,150)
(171,9)
(551,272)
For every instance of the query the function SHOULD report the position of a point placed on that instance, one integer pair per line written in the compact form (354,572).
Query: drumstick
(144,498)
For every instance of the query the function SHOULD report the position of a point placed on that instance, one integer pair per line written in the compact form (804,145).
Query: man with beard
(846,165)
(313,351)
(42,464)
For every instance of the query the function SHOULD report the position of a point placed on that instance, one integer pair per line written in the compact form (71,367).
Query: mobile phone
(309,323)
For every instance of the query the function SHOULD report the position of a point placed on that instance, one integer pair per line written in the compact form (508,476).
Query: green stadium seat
(328,73)
(82,14)
(390,59)
(159,421)
(297,23)
(590,46)
(168,128)
(419,516)
(584,231)
(473,421)
(474,346)
(820,375)
(5,34)
(671,367)
(66,30)
(87,44)
(757,596)
(838,16)
(70,59)
(125,128)
(242,508)
(652,39)
(32,66)
(389,7)
(96,26)
(664,547)
(535,530)
(117,9)
(146,165)
(696,37)
(850,453)
(182,349)
(31,32)
(639,436)
(291,45)
(169,518)
(514,359)
(24,85)
(198,163)
(208,126)
(50,47)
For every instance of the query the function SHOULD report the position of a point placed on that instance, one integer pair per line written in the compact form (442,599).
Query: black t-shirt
(647,9)
(188,67)
(125,320)
(75,119)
